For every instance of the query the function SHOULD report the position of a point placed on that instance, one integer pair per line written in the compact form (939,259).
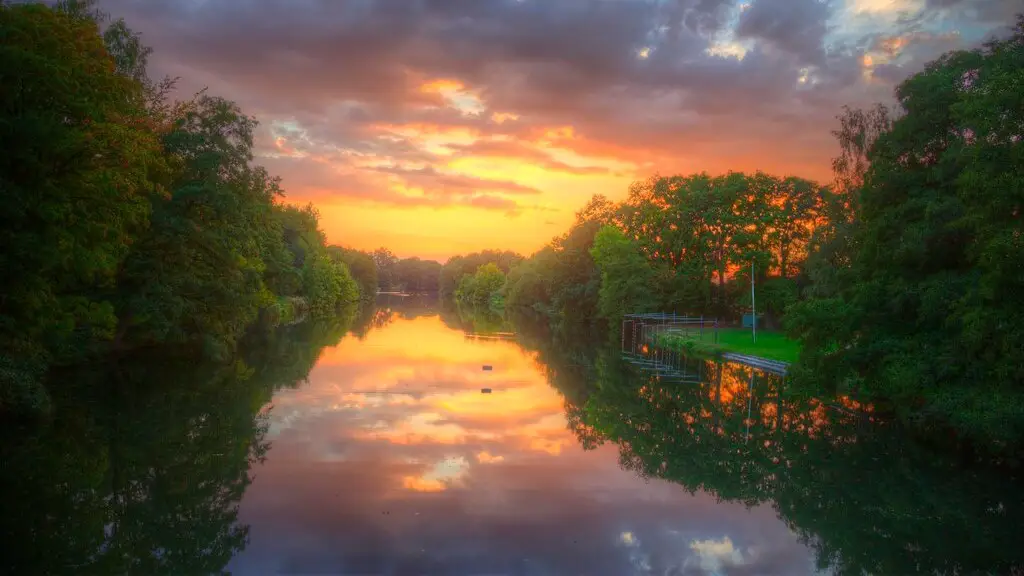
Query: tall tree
(627,279)
(75,176)
(385,261)
(198,272)
(924,316)
(361,266)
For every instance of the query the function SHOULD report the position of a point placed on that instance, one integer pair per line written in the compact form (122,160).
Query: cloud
(522,151)
(713,556)
(553,93)
(795,27)
(430,180)
(487,458)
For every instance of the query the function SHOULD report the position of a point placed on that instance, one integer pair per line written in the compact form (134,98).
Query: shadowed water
(375,452)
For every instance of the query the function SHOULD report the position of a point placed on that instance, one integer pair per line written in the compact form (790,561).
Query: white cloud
(714,555)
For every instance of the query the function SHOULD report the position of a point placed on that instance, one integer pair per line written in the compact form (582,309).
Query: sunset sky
(437,127)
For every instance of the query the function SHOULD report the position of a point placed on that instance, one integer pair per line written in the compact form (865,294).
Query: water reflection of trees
(864,495)
(568,354)
(388,307)
(144,463)
(472,319)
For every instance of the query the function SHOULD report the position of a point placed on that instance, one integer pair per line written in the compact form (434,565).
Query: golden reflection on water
(390,459)
(417,382)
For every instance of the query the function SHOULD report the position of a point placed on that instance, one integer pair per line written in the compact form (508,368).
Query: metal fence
(640,329)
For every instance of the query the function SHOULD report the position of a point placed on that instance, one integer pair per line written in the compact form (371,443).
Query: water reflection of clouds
(393,462)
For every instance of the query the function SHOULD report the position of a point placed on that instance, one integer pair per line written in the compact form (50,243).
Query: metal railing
(638,329)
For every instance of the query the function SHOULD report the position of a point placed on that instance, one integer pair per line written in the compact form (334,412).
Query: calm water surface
(366,447)
(390,460)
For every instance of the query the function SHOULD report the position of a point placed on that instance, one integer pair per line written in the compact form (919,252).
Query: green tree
(327,285)
(458,266)
(361,266)
(564,273)
(626,277)
(924,315)
(75,175)
(385,261)
(480,288)
(130,220)
(416,275)
(197,274)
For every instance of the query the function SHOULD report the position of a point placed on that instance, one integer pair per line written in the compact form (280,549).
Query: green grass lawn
(771,345)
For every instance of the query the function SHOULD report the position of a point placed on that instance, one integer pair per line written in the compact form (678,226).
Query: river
(422,441)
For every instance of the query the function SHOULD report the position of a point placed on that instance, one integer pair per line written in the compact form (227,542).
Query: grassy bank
(771,345)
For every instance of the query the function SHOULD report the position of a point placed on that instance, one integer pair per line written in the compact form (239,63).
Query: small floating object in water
(485,390)
(488,367)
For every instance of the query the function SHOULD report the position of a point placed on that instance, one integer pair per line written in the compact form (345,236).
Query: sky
(390,460)
(440,127)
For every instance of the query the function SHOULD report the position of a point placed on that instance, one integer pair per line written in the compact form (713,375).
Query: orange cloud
(430,395)
(423,484)
(486,458)
(428,145)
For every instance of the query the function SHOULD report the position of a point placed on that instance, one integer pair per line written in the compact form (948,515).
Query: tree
(924,314)
(385,262)
(416,275)
(197,274)
(129,220)
(457,266)
(362,267)
(626,277)
(481,287)
(75,176)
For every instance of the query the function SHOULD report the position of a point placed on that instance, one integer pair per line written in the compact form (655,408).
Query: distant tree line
(405,274)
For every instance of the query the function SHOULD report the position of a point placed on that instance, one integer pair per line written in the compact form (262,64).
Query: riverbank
(769,345)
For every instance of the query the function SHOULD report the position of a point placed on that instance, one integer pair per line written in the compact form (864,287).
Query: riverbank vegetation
(131,220)
(900,280)
(411,275)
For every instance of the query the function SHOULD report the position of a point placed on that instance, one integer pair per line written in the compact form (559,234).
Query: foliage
(416,275)
(458,266)
(561,280)
(186,279)
(328,285)
(76,176)
(386,262)
(924,313)
(626,276)
(701,233)
(362,268)
(129,220)
(482,286)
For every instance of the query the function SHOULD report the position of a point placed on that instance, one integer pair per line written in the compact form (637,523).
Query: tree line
(131,220)
(901,278)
